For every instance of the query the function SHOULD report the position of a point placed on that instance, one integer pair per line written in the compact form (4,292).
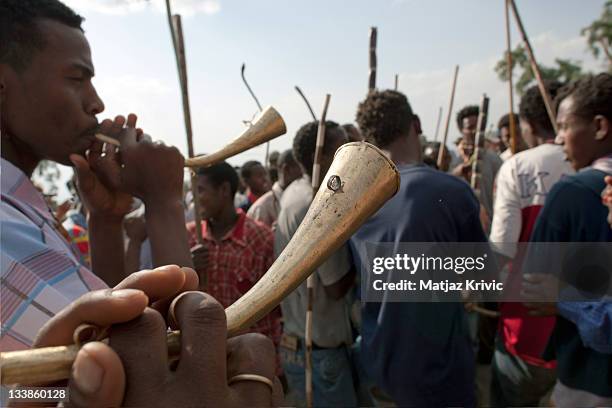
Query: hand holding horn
(268,125)
(360,180)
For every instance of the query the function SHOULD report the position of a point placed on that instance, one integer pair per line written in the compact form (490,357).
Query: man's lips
(89,136)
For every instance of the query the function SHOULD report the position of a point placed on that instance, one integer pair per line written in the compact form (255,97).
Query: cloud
(123,7)
(428,90)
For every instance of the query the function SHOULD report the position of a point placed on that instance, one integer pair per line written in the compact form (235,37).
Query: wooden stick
(316,169)
(448,119)
(396,81)
(316,181)
(372,76)
(258,106)
(176,33)
(512,127)
(535,68)
(364,179)
(480,132)
(438,123)
(242,69)
(314,117)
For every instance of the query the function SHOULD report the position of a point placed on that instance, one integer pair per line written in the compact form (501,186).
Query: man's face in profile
(50,106)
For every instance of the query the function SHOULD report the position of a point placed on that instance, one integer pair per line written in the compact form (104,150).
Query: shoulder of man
(572,199)
(587,182)
(256,208)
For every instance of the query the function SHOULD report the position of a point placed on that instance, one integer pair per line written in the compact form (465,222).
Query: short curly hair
(466,112)
(504,121)
(20,35)
(219,173)
(532,108)
(247,168)
(592,95)
(384,116)
(305,142)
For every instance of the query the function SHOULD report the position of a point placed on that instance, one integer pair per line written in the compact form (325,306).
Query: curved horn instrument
(360,180)
(266,126)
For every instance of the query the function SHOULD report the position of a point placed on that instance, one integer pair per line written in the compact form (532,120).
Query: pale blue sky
(321,46)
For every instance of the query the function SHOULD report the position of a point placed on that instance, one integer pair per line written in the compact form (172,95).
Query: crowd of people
(125,253)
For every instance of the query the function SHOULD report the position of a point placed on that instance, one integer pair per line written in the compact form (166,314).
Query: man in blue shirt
(573,212)
(419,353)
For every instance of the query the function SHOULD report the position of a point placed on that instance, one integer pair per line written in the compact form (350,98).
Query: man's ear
(602,127)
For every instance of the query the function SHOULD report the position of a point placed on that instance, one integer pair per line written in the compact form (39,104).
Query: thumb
(97,379)
(86,179)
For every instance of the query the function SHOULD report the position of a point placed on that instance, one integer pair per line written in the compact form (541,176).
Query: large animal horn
(266,126)
(360,180)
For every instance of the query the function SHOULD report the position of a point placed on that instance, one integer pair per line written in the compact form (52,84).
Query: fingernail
(87,373)
(126,293)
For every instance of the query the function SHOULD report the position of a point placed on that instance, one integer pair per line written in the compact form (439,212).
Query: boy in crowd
(520,376)
(237,251)
(503,128)
(256,179)
(400,340)
(467,120)
(573,212)
(331,327)
(267,207)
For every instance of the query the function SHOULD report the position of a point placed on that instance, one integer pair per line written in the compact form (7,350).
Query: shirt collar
(277,190)
(236,234)
(251,196)
(603,164)
(16,185)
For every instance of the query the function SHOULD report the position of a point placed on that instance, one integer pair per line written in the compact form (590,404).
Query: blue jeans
(332,379)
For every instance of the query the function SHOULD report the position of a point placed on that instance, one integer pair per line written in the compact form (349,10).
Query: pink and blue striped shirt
(40,270)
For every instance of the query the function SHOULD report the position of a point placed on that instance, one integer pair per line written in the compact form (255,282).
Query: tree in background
(599,39)
(565,70)
(599,35)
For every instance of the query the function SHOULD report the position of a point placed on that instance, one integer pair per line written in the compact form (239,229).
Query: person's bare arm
(106,208)
(136,231)
(167,234)
(152,172)
(106,243)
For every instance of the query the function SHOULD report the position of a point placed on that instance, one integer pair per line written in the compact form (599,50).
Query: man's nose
(94,104)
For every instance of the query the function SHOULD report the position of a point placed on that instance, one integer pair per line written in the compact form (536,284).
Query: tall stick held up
(176,33)
(258,106)
(448,119)
(535,68)
(316,181)
(438,123)
(314,117)
(512,127)
(372,76)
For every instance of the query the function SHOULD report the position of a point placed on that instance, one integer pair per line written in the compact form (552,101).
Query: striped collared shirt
(40,270)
